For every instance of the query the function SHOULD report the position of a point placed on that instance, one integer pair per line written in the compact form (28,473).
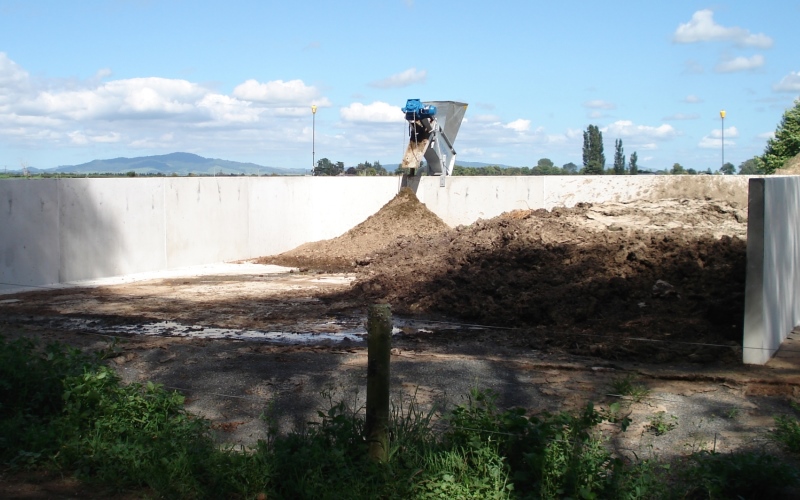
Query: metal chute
(432,129)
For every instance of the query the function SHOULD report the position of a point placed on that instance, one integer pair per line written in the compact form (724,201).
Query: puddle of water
(351,329)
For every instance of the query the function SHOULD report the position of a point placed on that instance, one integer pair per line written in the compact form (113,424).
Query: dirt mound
(591,273)
(791,167)
(670,270)
(403,216)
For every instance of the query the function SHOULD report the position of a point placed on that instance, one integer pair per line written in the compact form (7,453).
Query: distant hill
(178,163)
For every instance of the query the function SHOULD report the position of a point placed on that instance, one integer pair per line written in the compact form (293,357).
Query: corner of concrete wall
(772,293)
(754,349)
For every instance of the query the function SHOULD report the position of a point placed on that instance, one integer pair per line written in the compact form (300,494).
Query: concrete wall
(466,199)
(61,230)
(772,294)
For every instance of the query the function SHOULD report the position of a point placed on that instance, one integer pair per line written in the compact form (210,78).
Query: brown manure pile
(583,278)
(403,216)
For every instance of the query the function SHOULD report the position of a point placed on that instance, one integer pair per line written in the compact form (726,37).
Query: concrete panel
(464,200)
(772,296)
(110,227)
(286,212)
(29,244)
(279,211)
(207,220)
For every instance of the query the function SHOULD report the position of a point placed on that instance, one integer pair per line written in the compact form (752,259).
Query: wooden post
(379,345)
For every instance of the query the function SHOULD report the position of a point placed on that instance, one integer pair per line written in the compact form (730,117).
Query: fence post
(379,345)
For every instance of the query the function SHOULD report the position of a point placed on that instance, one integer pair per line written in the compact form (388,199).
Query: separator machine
(432,130)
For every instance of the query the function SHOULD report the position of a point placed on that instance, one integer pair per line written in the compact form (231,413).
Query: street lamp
(722,117)
(313,138)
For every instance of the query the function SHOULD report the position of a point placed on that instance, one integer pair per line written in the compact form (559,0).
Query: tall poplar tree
(594,161)
(619,158)
(634,168)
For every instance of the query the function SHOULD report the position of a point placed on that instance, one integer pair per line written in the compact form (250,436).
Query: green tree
(728,169)
(785,144)
(677,169)
(749,167)
(569,168)
(633,168)
(619,158)
(594,161)
(327,167)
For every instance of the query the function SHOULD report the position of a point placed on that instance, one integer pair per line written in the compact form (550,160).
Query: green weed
(661,423)
(627,386)
(736,475)
(787,431)
(66,409)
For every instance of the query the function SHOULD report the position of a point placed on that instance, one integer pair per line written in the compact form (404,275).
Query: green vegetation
(619,158)
(627,386)
(594,160)
(67,411)
(785,144)
(736,475)
(661,423)
(788,431)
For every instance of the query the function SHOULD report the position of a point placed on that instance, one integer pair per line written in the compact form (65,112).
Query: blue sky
(84,80)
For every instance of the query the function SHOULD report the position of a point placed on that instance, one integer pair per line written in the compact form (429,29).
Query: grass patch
(661,423)
(627,386)
(787,431)
(64,410)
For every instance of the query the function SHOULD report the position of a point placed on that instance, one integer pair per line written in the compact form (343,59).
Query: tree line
(327,167)
(779,149)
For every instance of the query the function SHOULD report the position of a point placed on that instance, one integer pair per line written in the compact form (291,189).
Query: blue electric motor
(415,110)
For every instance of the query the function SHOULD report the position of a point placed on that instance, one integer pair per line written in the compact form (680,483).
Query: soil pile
(403,216)
(791,167)
(667,270)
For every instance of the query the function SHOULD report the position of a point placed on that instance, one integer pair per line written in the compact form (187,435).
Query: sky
(99,79)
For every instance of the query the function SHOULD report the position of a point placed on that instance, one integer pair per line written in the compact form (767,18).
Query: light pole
(313,137)
(722,117)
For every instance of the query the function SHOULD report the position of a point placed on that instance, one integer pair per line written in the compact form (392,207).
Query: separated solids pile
(403,216)
(667,270)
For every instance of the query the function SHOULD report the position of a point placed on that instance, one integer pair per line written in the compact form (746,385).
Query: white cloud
(377,112)
(626,128)
(81,138)
(765,136)
(692,99)
(153,114)
(404,79)
(599,104)
(11,74)
(702,28)
(277,93)
(714,139)
(519,125)
(740,63)
(789,83)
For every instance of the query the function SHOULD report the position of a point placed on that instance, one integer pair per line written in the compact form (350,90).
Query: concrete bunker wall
(772,293)
(62,230)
